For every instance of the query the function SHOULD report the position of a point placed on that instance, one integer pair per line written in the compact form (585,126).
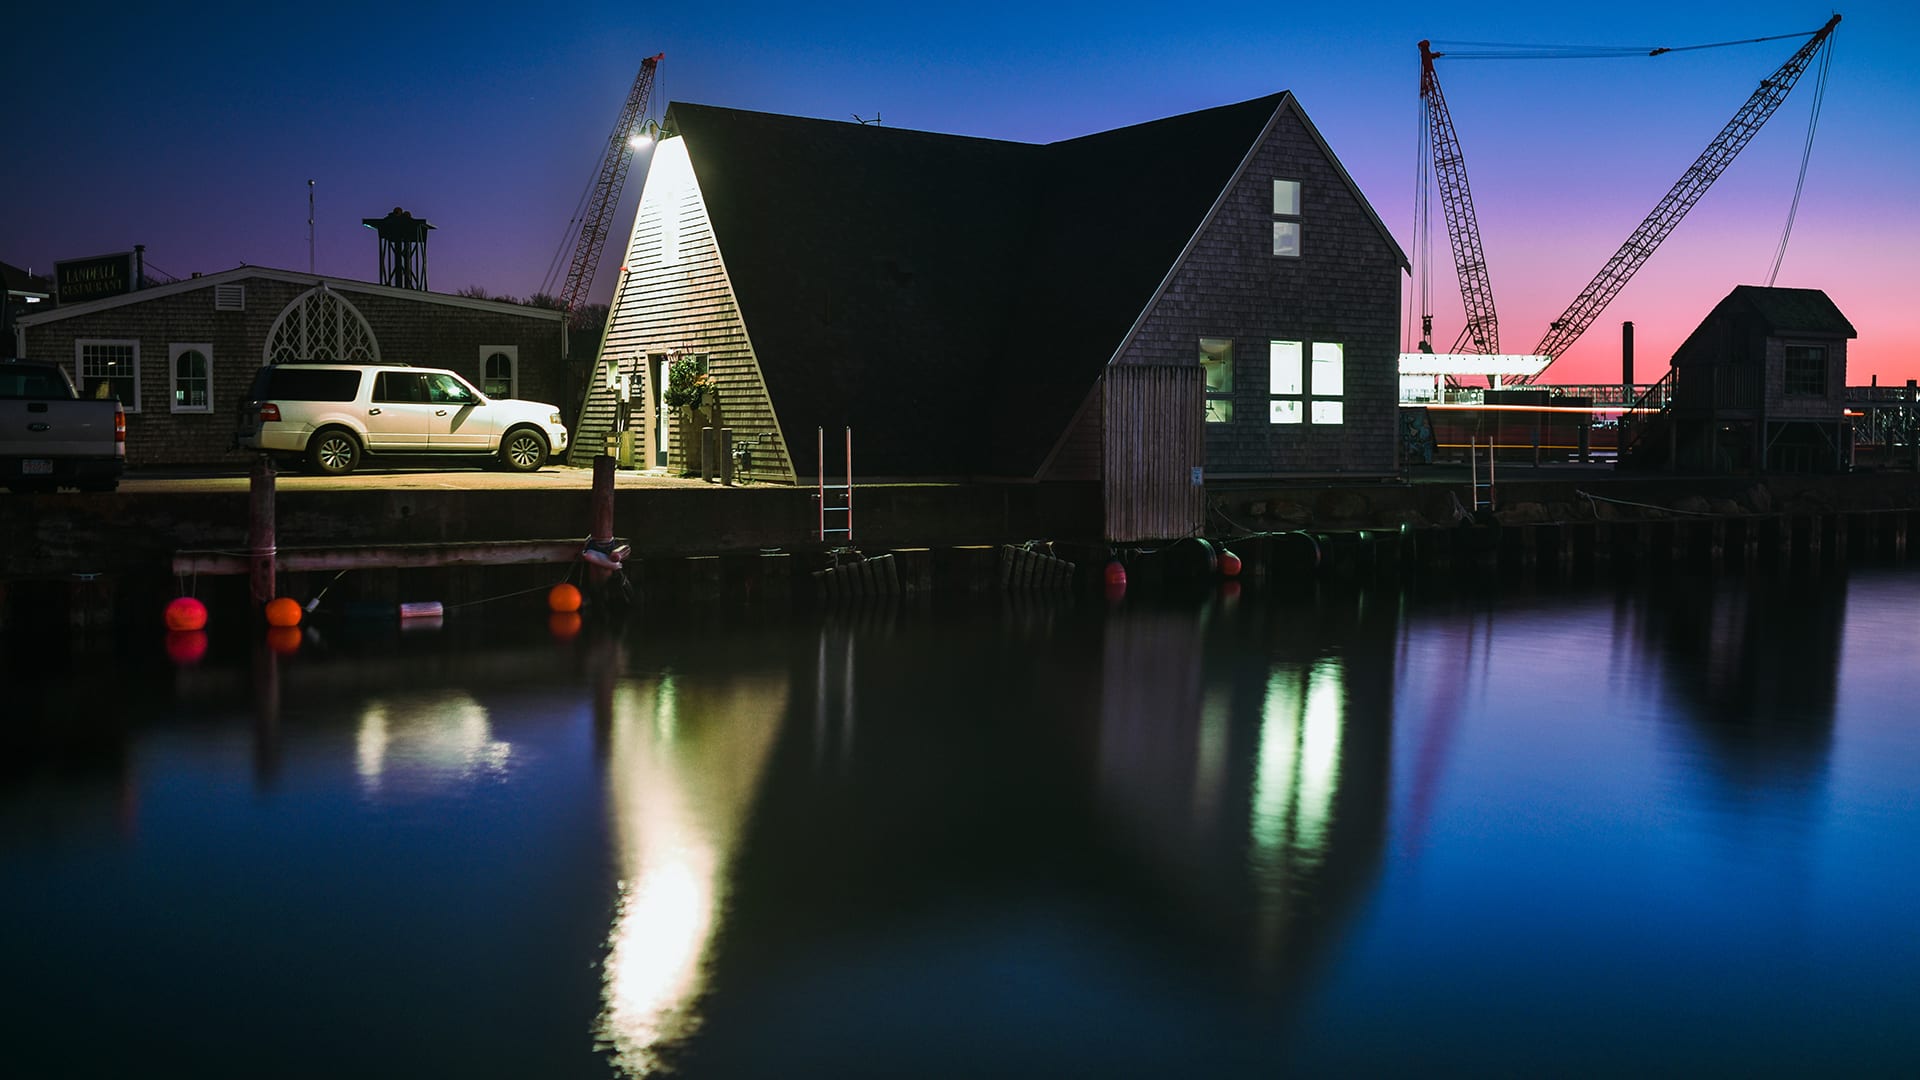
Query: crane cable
(1806,155)
(1494,50)
(1422,229)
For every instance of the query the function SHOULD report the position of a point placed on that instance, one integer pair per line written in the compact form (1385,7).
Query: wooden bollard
(261,547)
(600,523)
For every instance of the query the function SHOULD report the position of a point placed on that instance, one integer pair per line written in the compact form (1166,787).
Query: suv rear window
(304,384)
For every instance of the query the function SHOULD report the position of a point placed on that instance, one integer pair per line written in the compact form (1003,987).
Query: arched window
(192,378)
(321,325)
(497,374)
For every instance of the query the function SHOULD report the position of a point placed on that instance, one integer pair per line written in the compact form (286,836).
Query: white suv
(333,413)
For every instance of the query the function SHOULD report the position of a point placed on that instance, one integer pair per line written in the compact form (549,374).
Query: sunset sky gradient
(195,132)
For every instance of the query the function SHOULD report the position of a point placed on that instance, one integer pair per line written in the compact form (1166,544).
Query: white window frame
(512,353)
(1287,199)
(1327,382)
(1306,382)
(81,379)
(174,353)
(1286,382)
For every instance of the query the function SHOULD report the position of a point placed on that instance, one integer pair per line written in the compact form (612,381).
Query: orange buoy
(563,598)
(284,640)
(1229,564)
(186,613)
(1116,574)
(186,646)
(564,625)
(283,612)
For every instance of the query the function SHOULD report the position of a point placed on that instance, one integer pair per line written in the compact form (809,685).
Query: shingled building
(1197,298)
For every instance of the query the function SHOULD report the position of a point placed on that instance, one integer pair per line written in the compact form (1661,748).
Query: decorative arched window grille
(321,325)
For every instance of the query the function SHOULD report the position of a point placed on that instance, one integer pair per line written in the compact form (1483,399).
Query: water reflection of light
(443,738)
(1298,769)
(684,762)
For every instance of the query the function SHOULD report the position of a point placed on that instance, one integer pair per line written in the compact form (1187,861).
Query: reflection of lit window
(1298,768)
(1216,362)
(432,740)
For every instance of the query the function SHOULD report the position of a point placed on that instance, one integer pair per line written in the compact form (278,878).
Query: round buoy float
(563,625)
(284,640)
(1116,574)
(563,598)
(1229,564)
(283,612)
(186,613)
(186,646)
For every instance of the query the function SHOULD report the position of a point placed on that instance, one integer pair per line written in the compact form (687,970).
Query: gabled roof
(1786,311)
(242,273)
(952,298)
(1777,311)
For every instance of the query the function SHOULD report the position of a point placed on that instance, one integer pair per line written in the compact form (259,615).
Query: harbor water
(1324,828)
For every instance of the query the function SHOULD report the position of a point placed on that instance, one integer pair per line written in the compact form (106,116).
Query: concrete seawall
(92,560)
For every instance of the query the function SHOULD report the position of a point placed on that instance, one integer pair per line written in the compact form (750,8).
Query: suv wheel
(333,451)
(523,450)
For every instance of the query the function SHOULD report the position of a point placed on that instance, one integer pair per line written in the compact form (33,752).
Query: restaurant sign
(102,276)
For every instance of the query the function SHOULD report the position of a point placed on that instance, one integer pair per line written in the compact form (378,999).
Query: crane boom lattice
(1713,161)
(1482,330)
(606,191)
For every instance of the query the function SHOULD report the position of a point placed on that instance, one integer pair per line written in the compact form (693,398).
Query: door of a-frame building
(660,412)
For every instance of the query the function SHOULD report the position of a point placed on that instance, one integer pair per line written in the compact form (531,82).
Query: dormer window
(1286,218)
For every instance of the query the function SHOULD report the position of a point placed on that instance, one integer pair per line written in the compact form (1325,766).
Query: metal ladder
(1482,493)
(841,493)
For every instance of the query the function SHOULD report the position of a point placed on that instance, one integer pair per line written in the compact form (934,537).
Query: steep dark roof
(1806,311)
(952,298)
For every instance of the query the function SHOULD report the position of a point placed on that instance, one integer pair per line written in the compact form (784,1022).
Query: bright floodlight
(639,139)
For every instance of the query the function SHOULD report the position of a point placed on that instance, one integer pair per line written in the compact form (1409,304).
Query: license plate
(36,466)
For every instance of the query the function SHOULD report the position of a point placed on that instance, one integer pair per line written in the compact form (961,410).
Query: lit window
(499,370)
(1216,362)
(192,378)
(1286,382)
(1329,382)
(1300,391)
(110,369)
(1286,218)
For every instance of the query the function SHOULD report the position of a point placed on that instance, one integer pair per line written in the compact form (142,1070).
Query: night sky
(196,132)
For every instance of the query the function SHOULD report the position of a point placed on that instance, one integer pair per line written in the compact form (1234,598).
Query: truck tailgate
(57,428)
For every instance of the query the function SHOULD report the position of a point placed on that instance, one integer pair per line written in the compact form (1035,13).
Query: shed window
(110,369)
(1216,362)
(1806,370)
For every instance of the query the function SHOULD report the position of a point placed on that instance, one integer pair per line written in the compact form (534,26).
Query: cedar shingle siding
(417,328)
(1344,288)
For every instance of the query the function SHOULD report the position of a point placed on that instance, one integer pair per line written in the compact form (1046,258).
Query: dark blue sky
(195,131)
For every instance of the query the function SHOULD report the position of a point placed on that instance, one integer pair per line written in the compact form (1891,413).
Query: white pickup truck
(51,438)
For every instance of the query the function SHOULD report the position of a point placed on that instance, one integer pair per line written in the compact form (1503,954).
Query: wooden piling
(260,531)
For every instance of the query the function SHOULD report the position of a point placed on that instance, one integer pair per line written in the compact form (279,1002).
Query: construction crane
(605,195)
(1482,330)
(1638,248)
